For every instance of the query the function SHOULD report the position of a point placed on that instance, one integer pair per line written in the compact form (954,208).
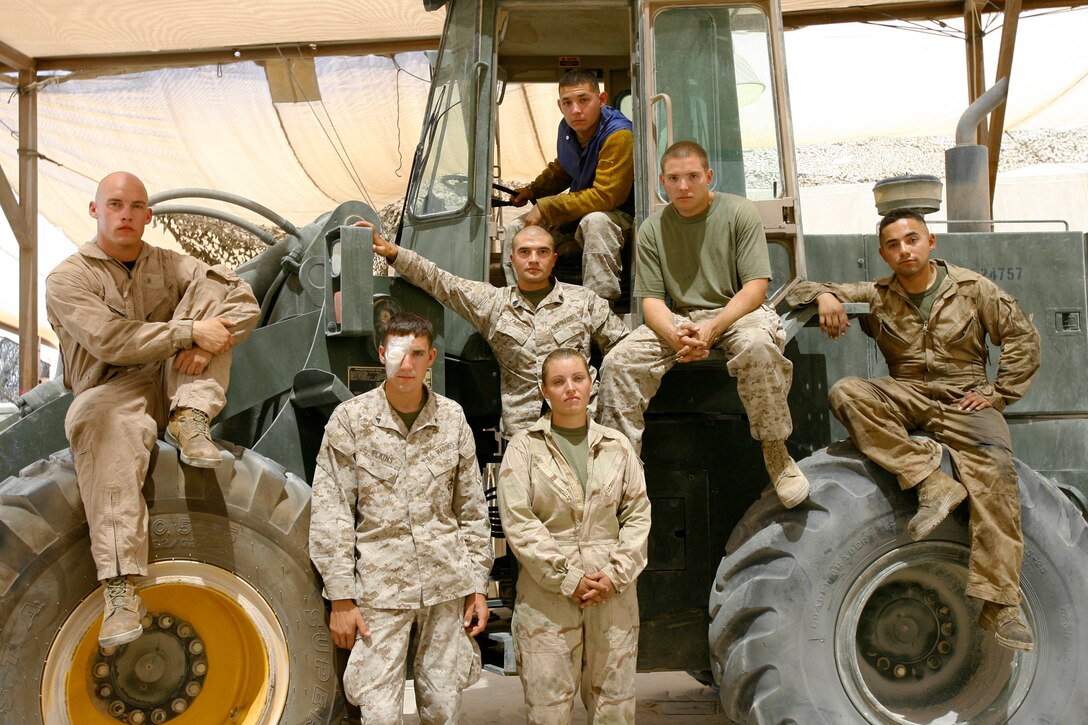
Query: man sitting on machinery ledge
(595,166)
(522,324)
(143,331)
(930,320)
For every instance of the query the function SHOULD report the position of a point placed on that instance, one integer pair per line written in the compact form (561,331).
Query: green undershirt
(924,300)
(537,296)
(409,419)
(573,443)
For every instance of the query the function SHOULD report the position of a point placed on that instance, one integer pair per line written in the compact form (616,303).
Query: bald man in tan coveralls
(143,331)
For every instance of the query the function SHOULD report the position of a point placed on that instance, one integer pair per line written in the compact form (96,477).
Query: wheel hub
(906,630)
(155,678)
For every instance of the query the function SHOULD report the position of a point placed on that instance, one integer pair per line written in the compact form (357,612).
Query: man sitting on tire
(122,309)
(400,535)
(930,320)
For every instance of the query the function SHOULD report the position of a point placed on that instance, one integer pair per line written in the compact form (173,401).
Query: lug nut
(192,689)
(947,629)
(107,651)
(900,671)
(185,630)
(146,622)
(159,716)
(166,621)
(137,717)
(943,611)
(179,705)
(101,671)
(933,662)
(196,647)
(105,691)
(883,664)
(200,668)
(944,646)
(117,708)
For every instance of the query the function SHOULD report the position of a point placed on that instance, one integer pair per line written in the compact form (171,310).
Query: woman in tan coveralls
(572,496)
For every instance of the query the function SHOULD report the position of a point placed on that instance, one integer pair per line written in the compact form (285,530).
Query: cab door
(715,73)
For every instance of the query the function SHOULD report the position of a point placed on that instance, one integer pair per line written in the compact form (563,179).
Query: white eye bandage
(395,350)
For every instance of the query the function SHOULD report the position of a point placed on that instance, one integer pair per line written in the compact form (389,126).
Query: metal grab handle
(668,115)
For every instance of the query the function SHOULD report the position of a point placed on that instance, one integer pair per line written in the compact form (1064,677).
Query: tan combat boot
(188,432)
(789,483)
(124,610)
(1004,621)
(938,494)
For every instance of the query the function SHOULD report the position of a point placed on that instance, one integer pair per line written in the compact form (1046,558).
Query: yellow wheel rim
(243,645)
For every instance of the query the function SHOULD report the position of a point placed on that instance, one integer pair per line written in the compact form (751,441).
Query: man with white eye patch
(523,323)
(399,534)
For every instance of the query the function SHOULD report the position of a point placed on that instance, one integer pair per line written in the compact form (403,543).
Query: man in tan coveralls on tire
(122,309)
(706,251)
(595,165)
(522,324)
(400,535)
(930,320)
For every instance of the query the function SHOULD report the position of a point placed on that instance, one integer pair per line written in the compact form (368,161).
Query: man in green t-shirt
(707,252)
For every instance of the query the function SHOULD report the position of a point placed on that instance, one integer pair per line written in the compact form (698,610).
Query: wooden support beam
(12,211)
(29,354)
(14,59)
(1004,70)
(976,65)
(134,61)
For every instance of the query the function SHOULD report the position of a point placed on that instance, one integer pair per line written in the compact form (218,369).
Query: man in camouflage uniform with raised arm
(930,320)
(706,253)
(146,336)
(522,324)
(400,536)
(586,195)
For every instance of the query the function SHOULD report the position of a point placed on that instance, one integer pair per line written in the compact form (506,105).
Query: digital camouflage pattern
(631,373)
(521,337)
(558,534)
(933,364)
(446,661)
(118,331)
(398,519)
(600,234)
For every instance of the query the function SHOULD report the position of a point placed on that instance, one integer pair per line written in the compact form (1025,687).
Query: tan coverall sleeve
(475,301)
(629,557)
(239,306)
(805,293)
(536,548)
(470,510)
(107,334)
(612,184)
(1010,328)
(332,511)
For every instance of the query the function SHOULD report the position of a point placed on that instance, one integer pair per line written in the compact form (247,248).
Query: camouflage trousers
(562,648)
(879,414)
(112,428)
(446,661)
(631,374)
(600,234)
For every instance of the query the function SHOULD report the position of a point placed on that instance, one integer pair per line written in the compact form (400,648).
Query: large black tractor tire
(236,630)
(829,613)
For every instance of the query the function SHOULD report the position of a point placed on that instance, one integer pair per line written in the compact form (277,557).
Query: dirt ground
(672,698)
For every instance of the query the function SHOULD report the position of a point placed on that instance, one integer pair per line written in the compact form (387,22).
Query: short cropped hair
(683,150)
(534,231)
(562,353)
(403,324)
(898,214)
(579,77)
